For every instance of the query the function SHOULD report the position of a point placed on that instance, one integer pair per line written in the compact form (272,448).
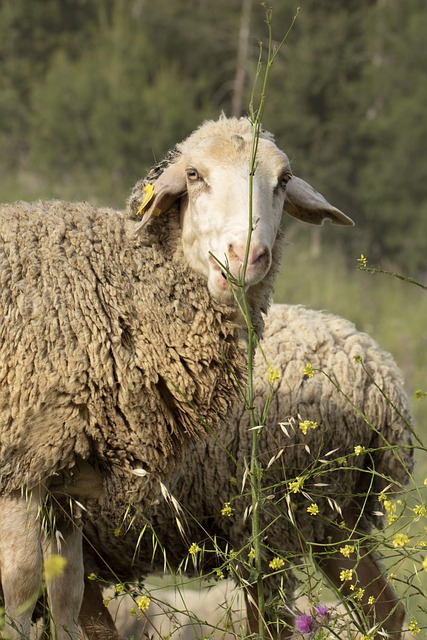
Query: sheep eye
(284,179)
(192,174)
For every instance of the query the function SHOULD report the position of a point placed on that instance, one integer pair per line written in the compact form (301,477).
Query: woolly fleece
(354,403)
(111,348)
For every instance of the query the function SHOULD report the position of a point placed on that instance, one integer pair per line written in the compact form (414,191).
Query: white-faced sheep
(356,398)
(118,343)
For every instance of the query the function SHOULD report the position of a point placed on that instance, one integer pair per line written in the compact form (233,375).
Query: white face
(215,213)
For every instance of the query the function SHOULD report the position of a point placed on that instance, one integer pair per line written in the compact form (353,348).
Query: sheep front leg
(65,590)
(20,561)
(387,612)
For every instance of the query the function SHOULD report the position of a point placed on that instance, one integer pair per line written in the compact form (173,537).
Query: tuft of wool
(110,350)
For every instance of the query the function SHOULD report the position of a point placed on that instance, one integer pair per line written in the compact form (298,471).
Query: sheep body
(98,333)
(294,336)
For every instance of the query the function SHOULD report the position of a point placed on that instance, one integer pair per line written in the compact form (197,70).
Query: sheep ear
(306,204)
(161,195)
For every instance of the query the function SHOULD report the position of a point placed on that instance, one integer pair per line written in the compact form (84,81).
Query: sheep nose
(258,256)
(258,261)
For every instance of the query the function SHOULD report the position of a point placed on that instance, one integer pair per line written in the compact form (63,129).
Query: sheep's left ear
(161,195)
(306,204)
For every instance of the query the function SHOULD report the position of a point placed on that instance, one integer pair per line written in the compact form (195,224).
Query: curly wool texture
(294,336)
(111,348)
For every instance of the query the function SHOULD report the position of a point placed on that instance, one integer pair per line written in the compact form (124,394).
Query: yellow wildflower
(106,602)
(119,589)
(413,627)
(276,563)
(400,540)
(371,600)
(272,375)
(54,567)
(227,511)
(194,549)
(308,370)
(143,603)
(358,450)
(359,594)
(219,574)
(296,485)
(305,425)
(252,554)
(420,510)
(313,509)
(346,574)
(424,564)
(366,637)
(92,576)
(362,262)
(347,550)
(420,395)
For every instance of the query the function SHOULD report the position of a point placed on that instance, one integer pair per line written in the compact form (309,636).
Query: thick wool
(354,403)
(111,348)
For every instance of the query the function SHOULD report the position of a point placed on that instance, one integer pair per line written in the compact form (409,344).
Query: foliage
(91,93)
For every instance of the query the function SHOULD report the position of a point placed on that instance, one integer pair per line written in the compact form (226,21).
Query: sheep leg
(95,619)
(252,614)
(65,591)
(387,612)
(20,561)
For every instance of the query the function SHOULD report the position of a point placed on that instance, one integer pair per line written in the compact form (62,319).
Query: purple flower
(323,611)
(303,623)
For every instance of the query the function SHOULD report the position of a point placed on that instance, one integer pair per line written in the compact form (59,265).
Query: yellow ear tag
(149,195)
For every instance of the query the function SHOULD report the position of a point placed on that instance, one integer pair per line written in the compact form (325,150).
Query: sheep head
(211,177)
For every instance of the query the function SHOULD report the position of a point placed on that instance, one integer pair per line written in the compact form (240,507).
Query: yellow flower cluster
(272,375)
(358,450)
(362,262)
(305,425)
(400,540)
(296,485)
(227,511)
(347,550)
(308,370)
(313,509)
(143,602)
(420,510)
(413,627)
(54,567)
(252,554)
(194,549)
(359,593)
(346,574)
(389,507)
(276,563)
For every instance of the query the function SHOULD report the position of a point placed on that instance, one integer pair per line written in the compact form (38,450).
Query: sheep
(120,340)
(357,398)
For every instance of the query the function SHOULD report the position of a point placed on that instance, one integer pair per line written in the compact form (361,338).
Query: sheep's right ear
(161,195)
(306,204)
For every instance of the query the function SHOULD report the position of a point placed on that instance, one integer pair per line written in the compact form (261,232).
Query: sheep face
(215,214)
(229,222)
